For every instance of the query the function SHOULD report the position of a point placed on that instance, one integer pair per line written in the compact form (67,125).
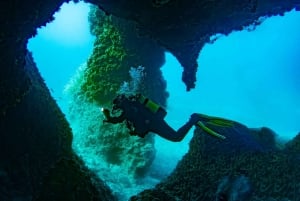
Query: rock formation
(35,139)
(247,165)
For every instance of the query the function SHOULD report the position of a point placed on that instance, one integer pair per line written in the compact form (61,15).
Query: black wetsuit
(140,120)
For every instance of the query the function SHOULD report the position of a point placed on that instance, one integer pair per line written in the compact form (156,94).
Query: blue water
(250,77)
(62,46)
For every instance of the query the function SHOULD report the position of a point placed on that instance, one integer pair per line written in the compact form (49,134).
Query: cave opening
(241,77)
(61,50)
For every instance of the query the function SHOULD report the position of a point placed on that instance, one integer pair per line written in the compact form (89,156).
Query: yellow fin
(210,131)
(220,122)
(217,121)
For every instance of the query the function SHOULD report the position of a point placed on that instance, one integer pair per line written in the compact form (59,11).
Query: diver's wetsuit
(140,120)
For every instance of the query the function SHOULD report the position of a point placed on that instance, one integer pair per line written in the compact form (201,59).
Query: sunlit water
(250,77)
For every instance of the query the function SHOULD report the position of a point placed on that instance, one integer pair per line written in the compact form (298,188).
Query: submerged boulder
(244,166)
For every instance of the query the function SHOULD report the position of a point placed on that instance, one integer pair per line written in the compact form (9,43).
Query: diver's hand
(195,118)
(132,133)
(106,114)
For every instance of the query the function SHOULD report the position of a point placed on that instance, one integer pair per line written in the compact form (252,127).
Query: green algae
(117,50)
(105,70)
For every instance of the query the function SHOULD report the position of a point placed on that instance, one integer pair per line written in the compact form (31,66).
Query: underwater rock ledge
(247,165)
(181,27)
(184,26)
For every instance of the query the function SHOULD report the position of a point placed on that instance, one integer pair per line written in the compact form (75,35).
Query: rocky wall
(247,165)
(34,138)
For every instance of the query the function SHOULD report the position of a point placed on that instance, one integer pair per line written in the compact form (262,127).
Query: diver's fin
(220,122)
(216,121)
(210,131)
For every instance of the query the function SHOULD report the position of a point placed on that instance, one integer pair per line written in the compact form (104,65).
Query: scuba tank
(151,106)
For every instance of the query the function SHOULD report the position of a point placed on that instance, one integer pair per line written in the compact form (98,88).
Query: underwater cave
(55,147)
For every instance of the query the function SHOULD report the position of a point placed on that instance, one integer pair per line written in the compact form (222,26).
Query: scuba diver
(142,116)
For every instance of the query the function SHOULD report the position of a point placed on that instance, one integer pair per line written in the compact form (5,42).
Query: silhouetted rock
(36,157)
(241,167)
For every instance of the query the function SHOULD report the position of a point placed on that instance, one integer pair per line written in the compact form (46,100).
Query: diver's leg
(164,130)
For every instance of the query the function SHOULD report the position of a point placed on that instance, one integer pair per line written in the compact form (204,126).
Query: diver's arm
(115,120)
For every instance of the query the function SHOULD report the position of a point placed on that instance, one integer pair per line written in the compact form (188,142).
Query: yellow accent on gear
(142,99)
(152,106)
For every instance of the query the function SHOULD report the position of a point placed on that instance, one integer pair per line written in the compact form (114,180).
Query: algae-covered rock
(111,70)
(293,146)
(117,49)
(184,27)
(105,69)
(111,144)
(155,194)
(214,167)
